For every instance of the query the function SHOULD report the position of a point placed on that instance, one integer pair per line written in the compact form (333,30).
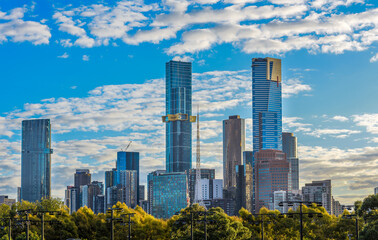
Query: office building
(82,177)
(141,196)
(110,181)
(99,204)
(36,160)
(244,175)
(167,193)
(128,181)
(233,148)
(376,190)
(144,205)
(70,200)
(7,201)
(266,104)
(289,146)
(337,209)
(279,197)
(18,194)
(272,173)
(112,196)
(217,189)
(178,116)
(206,173)
(128,161)
(319,192)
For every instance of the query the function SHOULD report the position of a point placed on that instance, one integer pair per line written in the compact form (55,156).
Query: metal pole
(10,229)
(27,226)
(301,219)
(357,228)
(43,227)
(262,227)
(129,226)
(112,224)
(191,226)
(205,226)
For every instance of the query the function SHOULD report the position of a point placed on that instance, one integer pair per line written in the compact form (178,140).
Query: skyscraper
(128,181)
(82,178)
(36,160)
(289,146)
(178,116)
(128,161)
(233,147)
(206,173)
(320,192)
(266,104)
(272,173)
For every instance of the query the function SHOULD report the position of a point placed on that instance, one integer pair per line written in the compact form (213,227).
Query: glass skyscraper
(178,116)
(127,161)
(289,146)
(167,193)
(36,160)
(266,104)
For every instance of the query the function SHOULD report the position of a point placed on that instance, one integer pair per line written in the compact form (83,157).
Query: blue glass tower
(178,116)
(36,160)
(127,161)
(266,104)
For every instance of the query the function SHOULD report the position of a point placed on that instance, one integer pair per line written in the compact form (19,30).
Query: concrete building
(129,184)
(280,197)
(243,187)
(289,146)
(82,177)
(206,173)
(7,201)
(233,148)
(319,192)
(141,196)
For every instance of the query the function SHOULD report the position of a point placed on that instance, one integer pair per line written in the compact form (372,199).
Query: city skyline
(93,117)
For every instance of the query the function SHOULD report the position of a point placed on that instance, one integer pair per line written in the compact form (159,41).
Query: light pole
(112,220)
(356,218)
(262,221)
(129,221)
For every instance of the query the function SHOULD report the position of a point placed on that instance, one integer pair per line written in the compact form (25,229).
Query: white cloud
(340,118)
(65,55)
(338,133)
(85,58)
(293,87)
(183,58)
(374,58)
(370,121)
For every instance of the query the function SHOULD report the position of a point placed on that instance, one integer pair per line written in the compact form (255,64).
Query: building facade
(266,104)
(7,201)
(206,173)
(233,148)
(168,193)
(319,192)
(178,116)
(289,146)
(36,160)
(244,188)
(128,161)
(130,187)
(82,177)
(272,173)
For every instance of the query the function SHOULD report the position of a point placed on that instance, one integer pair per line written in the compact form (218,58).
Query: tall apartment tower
(266,104)
(178,116)
(233,148)
(320,192)
(82,178)
(128,161)
(289,146)
(36,160)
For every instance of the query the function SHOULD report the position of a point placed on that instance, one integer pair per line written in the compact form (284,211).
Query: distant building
(233,147)
(289,146)
(141,196)
(205,174)
(248,159)
(82,177)
(18,194)
(110,181)
(217,189)
(128,161)
(279,197)
(99,204)
(337,209)
(144,205)
(129,185)
(7,201)
(272,173)
(295,196)
(36,160)
(376,191)
(319,192)
(71,193)
(178,119)
(243,187)
(167,193)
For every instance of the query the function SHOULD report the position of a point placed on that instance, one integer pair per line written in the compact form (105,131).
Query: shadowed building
(36,160)
(233,147)
(178,116)
(82,178)
(128,161)
(289,146)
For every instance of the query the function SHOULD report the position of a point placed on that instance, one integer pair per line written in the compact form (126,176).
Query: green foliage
(84,224)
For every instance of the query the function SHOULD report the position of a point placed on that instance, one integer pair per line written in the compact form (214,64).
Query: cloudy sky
(96,69)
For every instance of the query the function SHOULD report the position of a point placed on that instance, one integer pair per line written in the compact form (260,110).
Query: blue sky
(96,69)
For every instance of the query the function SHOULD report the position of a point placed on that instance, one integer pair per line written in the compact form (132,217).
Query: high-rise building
(249,160)
(167,193)
(278,198)
(243,187)
(128,181)
(272,173)
(18,194)
(110,181)
(70,200)
(289,146)
(178,116)
(36,160)
(233,148)
(82,177)
(266,104)
(99,204)
(217,189)
(128,161)
(376,190)
(206,173)
(7,201)
(141,196)
(319,192)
